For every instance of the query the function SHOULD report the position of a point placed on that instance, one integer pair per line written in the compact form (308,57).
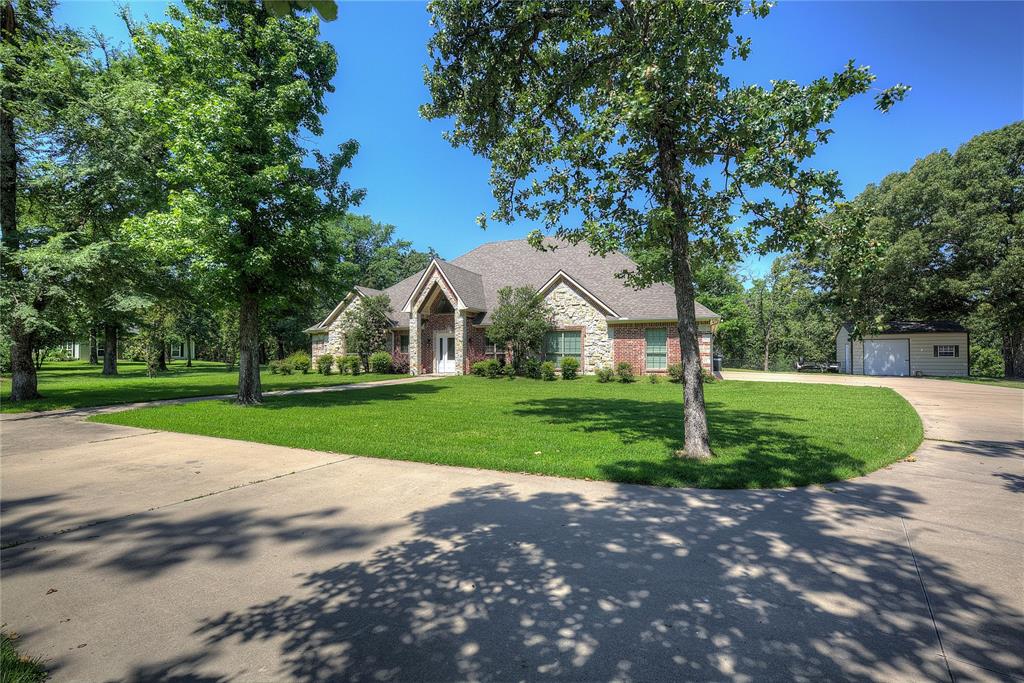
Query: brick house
(440,315)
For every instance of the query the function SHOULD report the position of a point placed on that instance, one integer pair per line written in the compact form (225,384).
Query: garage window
(946,351)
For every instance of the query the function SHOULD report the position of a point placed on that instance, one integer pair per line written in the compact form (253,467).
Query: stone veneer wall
(569,310)
(334,344)
(630,344)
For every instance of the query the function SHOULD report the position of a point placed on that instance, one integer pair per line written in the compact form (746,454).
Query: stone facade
(630,345)
(334,343)
(570,311)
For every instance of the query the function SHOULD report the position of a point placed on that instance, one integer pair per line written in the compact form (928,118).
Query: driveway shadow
(646,585)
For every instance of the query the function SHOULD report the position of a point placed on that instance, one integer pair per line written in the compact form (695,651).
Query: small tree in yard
(519,323)
(371,327)
(622,111)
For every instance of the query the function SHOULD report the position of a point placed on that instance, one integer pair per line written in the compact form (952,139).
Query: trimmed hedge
(380,363)
(570,367)
(324,364)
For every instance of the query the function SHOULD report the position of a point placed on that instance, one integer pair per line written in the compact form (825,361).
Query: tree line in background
(162,193)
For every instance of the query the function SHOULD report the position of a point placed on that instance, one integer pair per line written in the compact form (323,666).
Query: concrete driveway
(137,555)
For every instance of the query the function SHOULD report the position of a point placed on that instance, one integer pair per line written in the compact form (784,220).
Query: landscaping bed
(764,435)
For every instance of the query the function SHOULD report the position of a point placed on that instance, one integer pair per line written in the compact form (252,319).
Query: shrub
(400,363)
(605,375)
(299,361)
(324,364)
(350,364)
(706,376)
(624,371)
(380,363)
(531,368)
(570,366)
(284,367)
(675,373)
(510,371)
(547,371)
(986,363)
(489,368)
(275,367)
(653,379)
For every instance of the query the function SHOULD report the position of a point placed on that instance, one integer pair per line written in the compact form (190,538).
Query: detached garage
(905,349)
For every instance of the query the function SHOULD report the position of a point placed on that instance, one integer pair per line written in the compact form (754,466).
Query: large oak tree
(621,110)
(243,85)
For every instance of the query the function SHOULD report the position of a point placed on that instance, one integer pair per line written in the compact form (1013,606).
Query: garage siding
(841,338)
(922,358)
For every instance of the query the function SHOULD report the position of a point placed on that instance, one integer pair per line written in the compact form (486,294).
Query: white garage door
(887,357)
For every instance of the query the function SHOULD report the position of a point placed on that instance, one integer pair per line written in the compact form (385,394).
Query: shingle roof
(479,274)
(916,326)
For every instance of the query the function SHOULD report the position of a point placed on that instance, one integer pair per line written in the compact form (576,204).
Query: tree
(374,257)
(519,323)
(944,240)
(622,111)
(39,63)
(371,327)
(241,88)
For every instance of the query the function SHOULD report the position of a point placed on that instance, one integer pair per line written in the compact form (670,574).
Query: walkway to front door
(444,354)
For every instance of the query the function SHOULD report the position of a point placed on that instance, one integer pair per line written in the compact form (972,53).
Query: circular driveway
(138,555)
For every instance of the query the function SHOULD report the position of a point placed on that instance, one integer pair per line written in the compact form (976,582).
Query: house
(440,315)
(906,348)
(79,349)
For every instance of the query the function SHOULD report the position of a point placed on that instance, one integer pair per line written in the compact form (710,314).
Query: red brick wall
(474,347)
(630,345)
(436,322)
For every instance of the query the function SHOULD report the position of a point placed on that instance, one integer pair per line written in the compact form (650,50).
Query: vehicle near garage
(905,348)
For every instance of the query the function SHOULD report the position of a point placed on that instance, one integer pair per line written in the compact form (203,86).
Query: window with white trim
(561,344)
(946,351)
(403,343)
(657,348)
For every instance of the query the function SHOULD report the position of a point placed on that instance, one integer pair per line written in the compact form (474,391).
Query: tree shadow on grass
(351,397)
(646,584)
(761,449)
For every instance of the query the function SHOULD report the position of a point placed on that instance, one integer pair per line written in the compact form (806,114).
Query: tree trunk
(24,381)
(1013,355)
(249,390)
(280,349)
(94,357)
(696,439)
(767,346)
(109,349)
(188,351)
(162,361)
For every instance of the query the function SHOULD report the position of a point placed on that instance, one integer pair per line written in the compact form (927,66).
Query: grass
(15,668)
(988,381)
(764,435)
(76,384)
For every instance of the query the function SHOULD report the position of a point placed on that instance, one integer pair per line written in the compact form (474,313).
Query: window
(558,345)
(946,351)
(403,343)
(657,348)
(492,350)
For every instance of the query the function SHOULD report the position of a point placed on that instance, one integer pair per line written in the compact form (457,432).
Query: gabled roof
(476,277)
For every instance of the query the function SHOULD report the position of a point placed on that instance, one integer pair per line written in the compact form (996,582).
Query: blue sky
(964,61)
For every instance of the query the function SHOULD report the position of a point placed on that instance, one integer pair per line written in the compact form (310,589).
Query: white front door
(887,357)
(444,354)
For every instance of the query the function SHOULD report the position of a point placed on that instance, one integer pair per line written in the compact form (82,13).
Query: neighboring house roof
(477,276)
(915,326)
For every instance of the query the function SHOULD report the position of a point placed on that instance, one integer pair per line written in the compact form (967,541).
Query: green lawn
(76,384)
(15,668)
(765,435)
(989,381)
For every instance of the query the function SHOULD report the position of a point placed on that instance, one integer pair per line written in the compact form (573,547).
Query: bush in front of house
(605,375)
(986,362)
(281,367)
(489,368)
(350,364)
(675,373)
(624,371)
(300,361)
(570,367)
(547,371)
(324,364)
(400,363)
(653,379)
(706,377)
(510,371)
(531,368)
(380,363)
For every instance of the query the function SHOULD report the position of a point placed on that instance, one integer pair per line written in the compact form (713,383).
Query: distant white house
(79,349)
(905,348)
